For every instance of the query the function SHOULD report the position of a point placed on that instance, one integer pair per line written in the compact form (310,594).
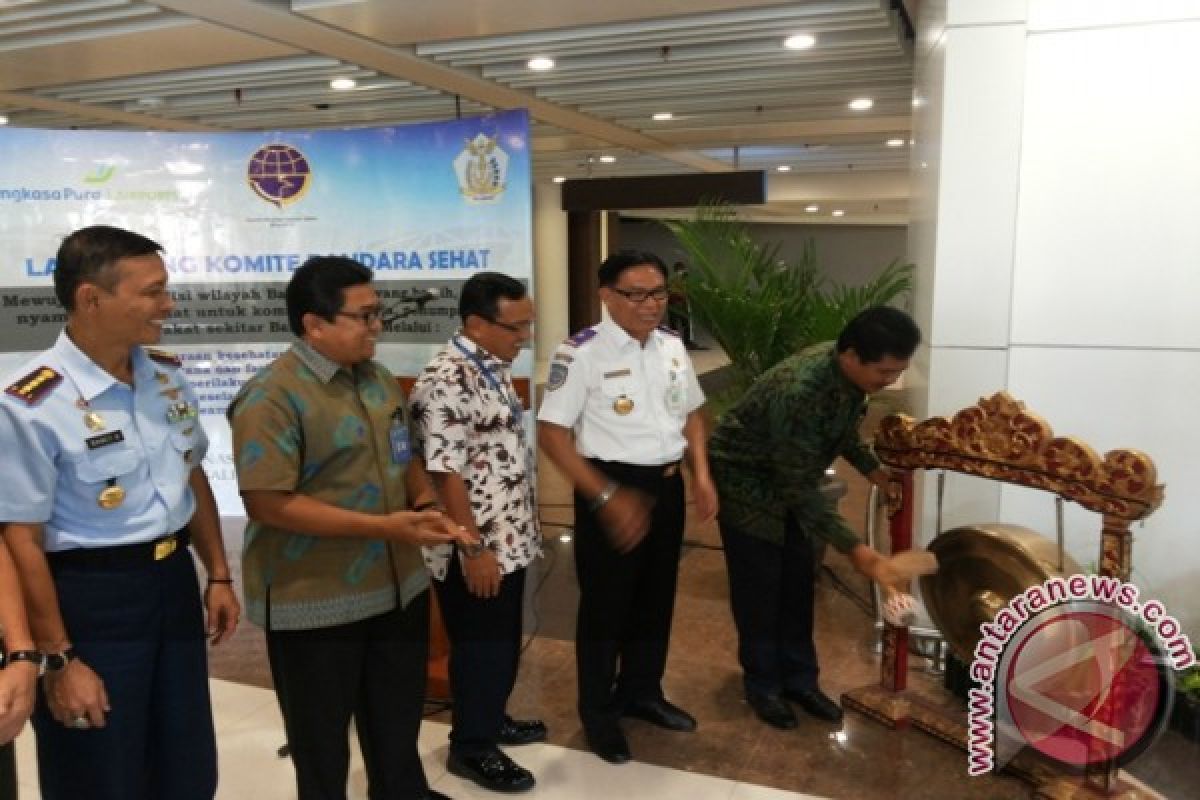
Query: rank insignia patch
(36,385)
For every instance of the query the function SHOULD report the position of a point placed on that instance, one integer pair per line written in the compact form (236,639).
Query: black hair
(880,331)
(610,271)
(90,255)
(482,292)
(318,287)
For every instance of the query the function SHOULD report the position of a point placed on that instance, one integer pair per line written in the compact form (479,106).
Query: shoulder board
(581,337)
(36,385)
(668,331)
(163,357)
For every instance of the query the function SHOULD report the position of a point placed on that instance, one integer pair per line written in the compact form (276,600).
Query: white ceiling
(739,98)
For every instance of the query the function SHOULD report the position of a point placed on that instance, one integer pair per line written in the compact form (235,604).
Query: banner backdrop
(424,206)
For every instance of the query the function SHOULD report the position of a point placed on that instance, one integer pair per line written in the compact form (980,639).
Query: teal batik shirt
(305,425)
(771,450)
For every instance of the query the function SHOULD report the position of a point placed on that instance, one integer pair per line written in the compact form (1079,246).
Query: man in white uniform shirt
(622,408)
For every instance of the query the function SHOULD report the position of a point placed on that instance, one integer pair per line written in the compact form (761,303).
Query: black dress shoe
(816,703)
(772,710)
(662,714)
(608,743)
(522,731)
(494,771)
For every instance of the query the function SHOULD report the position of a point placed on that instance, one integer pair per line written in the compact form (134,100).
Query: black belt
(121,555)
(648,471)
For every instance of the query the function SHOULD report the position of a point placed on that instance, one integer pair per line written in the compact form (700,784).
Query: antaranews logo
(1078,669)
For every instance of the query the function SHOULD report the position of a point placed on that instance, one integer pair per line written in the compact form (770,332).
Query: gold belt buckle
(670,470)
(164,547)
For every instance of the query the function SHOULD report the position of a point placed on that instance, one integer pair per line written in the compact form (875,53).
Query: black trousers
(373,671)
(485,646)
(771,591)
(140,626)
(626,601)
(8,772)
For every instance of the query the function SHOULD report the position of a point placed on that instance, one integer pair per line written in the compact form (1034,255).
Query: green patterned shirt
(771,450)
(305,425)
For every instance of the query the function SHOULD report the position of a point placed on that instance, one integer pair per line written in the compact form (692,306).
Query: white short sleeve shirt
(624,401)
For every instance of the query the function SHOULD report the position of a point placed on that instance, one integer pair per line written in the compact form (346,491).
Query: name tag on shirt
(401,449)
(104,439)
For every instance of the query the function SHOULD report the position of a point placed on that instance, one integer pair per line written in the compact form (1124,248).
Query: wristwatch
(57,661)
(474,550)
(35,657)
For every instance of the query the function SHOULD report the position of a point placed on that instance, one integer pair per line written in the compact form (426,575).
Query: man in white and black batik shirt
(469,427)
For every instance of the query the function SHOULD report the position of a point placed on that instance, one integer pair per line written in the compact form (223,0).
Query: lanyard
(513,404)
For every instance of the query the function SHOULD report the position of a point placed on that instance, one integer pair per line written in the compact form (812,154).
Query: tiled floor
(249,734)
(732,755)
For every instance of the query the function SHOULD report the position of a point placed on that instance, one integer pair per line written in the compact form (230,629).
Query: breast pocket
(621,396)
(103,466)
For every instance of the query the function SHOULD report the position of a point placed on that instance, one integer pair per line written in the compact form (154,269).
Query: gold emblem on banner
(110,497)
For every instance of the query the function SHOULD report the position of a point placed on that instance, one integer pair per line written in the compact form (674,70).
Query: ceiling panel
(739,98)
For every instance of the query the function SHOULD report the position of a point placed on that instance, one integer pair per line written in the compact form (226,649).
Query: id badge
(401,449)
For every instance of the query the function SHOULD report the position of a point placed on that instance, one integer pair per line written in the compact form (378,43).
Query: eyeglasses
(514,327)
(639,296)
(366,316)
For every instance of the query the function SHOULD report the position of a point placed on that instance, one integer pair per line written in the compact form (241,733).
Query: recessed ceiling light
(560,178)
(837,212)
(663,116)
(607,159)
(895,143)
(861,104)
(540,63)
(3,120)
(343,84)
(783,168)
(812,209)
(799,41)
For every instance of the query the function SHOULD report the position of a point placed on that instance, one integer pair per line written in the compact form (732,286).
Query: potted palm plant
(759,308)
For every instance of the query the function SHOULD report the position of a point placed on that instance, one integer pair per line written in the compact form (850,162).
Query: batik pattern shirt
(772,448)
(468,420)
(303,424)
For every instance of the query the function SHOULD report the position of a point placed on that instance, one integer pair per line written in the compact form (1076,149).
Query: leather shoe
(521,731)
(662,714)
(494,771)
(608,743)
(772,710)
(816,703)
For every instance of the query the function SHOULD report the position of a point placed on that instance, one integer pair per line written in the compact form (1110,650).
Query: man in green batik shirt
(767,457)
(332,565)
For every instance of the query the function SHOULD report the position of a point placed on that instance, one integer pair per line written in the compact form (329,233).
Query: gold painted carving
(999,438)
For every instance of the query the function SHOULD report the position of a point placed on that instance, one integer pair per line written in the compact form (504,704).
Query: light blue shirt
(144,439)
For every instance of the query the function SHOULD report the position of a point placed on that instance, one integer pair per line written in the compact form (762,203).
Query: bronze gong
(980,569)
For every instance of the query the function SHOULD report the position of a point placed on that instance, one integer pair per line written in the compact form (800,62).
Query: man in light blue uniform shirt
(105,492)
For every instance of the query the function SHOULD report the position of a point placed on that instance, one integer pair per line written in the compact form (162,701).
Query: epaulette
(670,331)
(581,337)
(163,357)
(36,385)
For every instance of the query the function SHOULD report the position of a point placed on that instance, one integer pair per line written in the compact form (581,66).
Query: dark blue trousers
(485,647)
(141,629)
(771,591)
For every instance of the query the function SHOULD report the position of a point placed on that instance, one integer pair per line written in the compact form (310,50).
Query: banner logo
(279,174)
(482,169)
